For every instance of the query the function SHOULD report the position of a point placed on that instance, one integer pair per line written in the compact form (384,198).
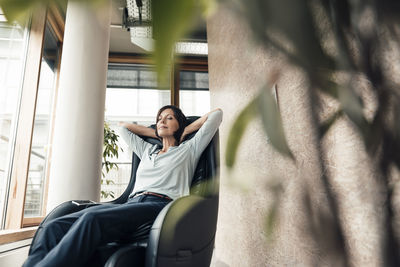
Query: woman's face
(167,124)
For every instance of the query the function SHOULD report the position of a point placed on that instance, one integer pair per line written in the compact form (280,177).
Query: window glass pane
(193,80)
(40,141)
(194,96)
(194,103)
(132,103)
(13,41)
(131,76)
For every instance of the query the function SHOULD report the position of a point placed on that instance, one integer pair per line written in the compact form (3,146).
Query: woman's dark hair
(179,116)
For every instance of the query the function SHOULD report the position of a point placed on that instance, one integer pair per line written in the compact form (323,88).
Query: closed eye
(168,118)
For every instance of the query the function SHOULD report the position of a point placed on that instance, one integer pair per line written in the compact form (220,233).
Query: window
(13,43)
(26,106)
(38,164)
(194,95)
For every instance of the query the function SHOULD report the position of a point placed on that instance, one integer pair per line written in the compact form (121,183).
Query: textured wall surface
(237,69)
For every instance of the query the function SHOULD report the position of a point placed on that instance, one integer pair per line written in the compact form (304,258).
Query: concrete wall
(238,68)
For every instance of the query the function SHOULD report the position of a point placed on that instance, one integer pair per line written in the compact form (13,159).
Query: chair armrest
(183,233)
(128,256)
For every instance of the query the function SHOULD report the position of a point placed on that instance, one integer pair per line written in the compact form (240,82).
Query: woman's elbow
(219,113)
(218,110)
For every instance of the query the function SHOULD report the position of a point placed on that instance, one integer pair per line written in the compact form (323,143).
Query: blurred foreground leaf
(272,217)
(237,131)
(171,20)
(20,10)
(264,104)
(272,121)
(181,211)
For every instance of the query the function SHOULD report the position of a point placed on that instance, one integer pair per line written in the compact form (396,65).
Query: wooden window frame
(181,63)
(20,168)
(19,171)
(56,22)
(8,236)
(185,64)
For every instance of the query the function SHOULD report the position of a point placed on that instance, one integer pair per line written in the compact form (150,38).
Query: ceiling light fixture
(137,19)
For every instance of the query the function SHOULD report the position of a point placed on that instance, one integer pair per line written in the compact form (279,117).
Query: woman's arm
(194,126)
(139,129)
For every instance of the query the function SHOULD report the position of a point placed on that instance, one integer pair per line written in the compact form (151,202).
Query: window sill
(8,236)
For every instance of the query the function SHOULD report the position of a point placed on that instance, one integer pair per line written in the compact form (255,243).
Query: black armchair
(183,234)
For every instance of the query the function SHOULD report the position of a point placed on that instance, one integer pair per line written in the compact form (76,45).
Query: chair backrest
(202,182)
(184,232)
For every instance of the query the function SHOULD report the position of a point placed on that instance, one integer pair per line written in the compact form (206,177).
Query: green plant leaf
(18,10)
(237,131)
(272,121)
(110,150)
(270,219)
(263,104)
(276,189)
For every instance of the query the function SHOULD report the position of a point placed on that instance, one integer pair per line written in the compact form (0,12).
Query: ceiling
(120,40)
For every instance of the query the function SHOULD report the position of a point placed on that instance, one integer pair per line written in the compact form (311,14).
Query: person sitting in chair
(164,174)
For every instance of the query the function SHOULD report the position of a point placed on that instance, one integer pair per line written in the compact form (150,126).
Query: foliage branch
(110,151)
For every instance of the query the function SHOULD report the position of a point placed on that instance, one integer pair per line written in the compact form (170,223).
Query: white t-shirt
(170,173)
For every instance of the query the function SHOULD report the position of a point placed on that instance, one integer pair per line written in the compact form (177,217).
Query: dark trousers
(72,239)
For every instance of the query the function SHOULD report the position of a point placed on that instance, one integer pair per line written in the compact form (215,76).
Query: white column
(75,171)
